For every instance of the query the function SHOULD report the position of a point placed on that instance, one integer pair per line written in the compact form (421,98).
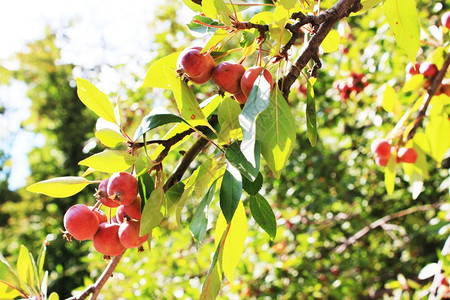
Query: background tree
(325,195)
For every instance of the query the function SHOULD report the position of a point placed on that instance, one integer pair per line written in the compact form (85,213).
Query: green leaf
(252,187)
(257,102)
(109,161)
(437,128)
(41,259)
(154,77)
(152,121)
(145,186)
(186,101)
(199,28)
(230,192)
(60,187)
(234,242)
(175,192)
(263,215)
(239,161)
(404,22)
(95,100)
(276,131)
(109,137)
(25,268)
(311,115)
(331,41)
(228,117)
(211,286)
(390,174)
(216,9)
(200,219)
(151,214)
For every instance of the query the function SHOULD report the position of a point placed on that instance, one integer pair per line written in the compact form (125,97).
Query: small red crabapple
(106,240)
(122,188)
(381,148)
(81,222)
(407,155)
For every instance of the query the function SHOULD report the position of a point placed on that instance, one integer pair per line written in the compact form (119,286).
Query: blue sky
(108,32)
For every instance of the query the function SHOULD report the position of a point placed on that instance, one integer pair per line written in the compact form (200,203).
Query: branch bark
(95,288)
(381,222)
(327,20)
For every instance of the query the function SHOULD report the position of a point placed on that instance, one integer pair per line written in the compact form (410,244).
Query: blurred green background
(326,194)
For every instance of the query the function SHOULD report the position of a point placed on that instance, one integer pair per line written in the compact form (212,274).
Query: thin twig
(95,288)
(427,99)
(381,222)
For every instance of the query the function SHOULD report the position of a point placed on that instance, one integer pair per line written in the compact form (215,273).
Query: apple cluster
(356,82)
(121,232)
(382,150)
(429,71)
(231,77)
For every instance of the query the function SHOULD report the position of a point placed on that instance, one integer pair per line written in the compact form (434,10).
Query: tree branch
(187,159)
(427,99)
(327,20)
(381,222)
(95,288)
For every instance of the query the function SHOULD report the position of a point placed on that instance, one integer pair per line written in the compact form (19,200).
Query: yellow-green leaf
(437,129)
(228,116)
(53,296)
(7,292)
(331,41)
(60,187)
(235,242)
(404,22)
(216,9)
(153,77)
(276,132)
(390,102)
(186,101)
(25,267)
(389,175)
(109,161)
(109,137)
(95,100)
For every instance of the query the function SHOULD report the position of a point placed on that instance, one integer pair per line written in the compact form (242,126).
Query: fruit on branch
(227,75)
(249,77)
(133,210)
(102,194)
(129,234)
(428,69)
(120,214)
(100,214)
(381,148)
(240,97)
(445,19)
(196,66)
(407,155)
(413,69)
(356,82)
(106,240)
(381,161)
(122,188)
(81,222)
